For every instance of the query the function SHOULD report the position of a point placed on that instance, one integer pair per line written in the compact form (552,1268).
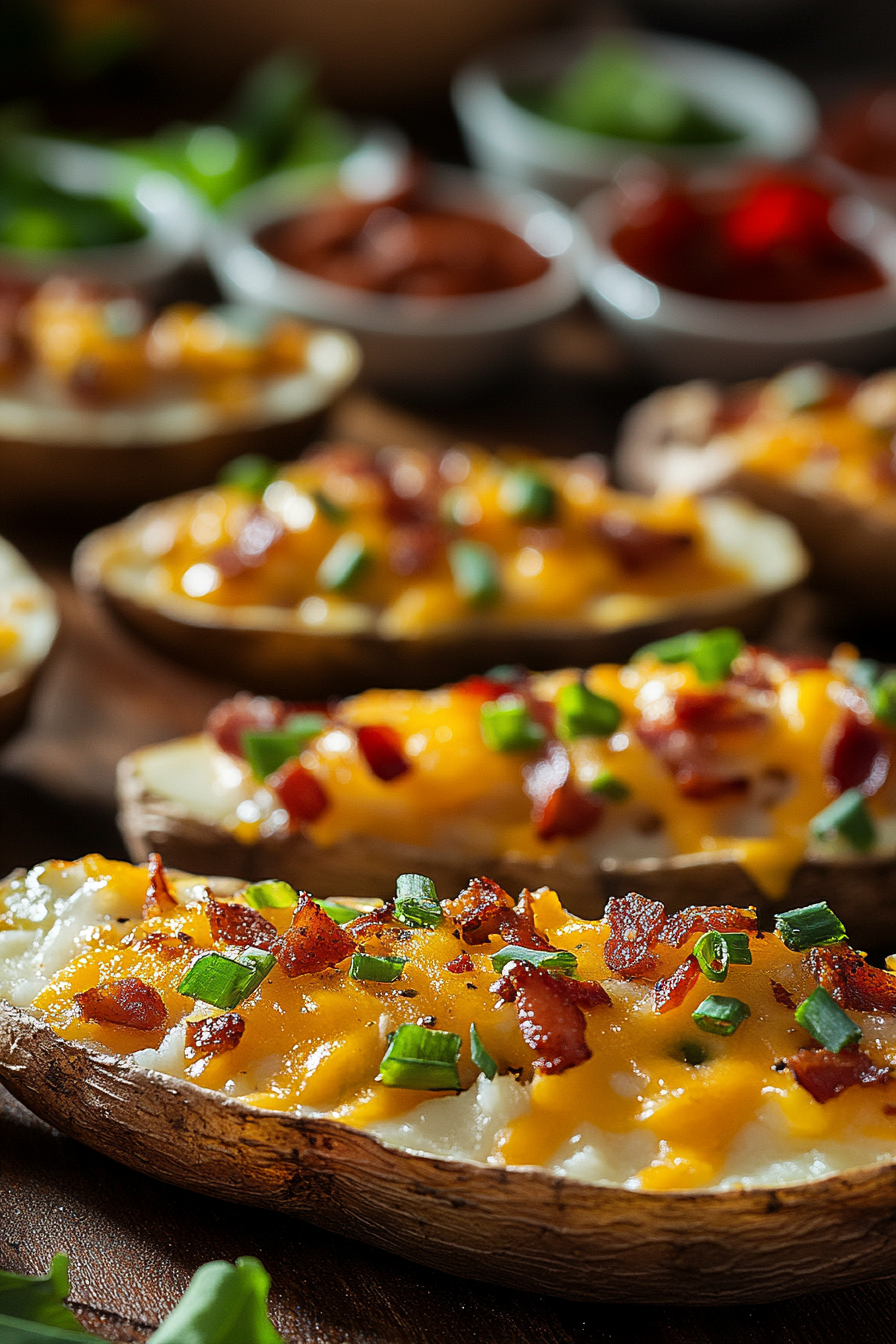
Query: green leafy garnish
(709,652)
(270,894)
(810,926)
(582,713)
(506,725)
(224,1304)
(826,1021)
(39,1297)
(551,958)
(416,901)
(420,1058)
(608,786)
(223,981)
(385,970)
(474,569)
(525,494)
(251,473)
(344,565)
(480,1056)
(849,817)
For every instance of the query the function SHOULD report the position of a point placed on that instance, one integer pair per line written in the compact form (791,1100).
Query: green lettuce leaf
(224,1304)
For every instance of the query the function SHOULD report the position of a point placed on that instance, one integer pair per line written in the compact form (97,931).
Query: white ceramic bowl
(775,112)
(681,335)
(409,343)
(172,215)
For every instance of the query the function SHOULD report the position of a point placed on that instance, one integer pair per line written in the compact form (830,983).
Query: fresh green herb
(552,958)
(608,786)
(333,513)
(474,569)
(480,1056)
(506,725)
(344,564)
(39,1297)
(525,494)
(826,1021)
(811,926)
(848,817)
(340,914)
(738,945)
(224,1304)
(711,952)
(251,472)
(418,1057)
(382,969)
(720,1016)
(416,901)
(581,713)
(709,652)
(270,895)
(266,750)
(223,981)
(882,698)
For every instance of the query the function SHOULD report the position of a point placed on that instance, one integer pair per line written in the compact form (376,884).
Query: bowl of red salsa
(736,274)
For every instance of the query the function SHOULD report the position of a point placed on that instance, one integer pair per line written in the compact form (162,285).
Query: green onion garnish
(382,969)
(251,472)
(847,816)
(224,982)
(711,952)
(709,652)
(480,1056)
(474,569)
(826,1021)
(416,902)
(882,698)
(738,945)
(811,926)
(506,725)
(340,914)
(270,895)
(332,512)
(581,713)
(267,750)
(421,1058)
(720,1016)
(608,786)
(526,495)
(344,564)
(551,958)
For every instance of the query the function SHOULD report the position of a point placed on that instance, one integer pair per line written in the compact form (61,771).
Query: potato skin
(519,1228)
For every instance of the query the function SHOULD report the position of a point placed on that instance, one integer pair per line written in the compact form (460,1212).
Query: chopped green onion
(416,902)
(738,945)
(581,713)
(474,569)
(709,652)
(847,816)
(720,1016)
(608,786)
(307,724)
(340,914)
(525,494)
(344,564)
(811,926)
(506,725)
(251,472)
(382,969)
(551,958)
(220,980)
(421,1058)
(332,512)
(826,1021)
(711,952)
(882,698)
(267,750)
(480,1056)
(270,895)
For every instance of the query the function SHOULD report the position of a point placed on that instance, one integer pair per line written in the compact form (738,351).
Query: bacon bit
(804,662)
(239,925)
(558,809)
(549,1008)
(228,721)
(214,1035)
(304,798)
(701,918)
(483,688)
(636,547)
(168,946)
(123,1003)
(158,894)
(383,750)
(483,909)
(857,757)
(413,549)
(462,964)
(635,928)
(672,992)
(825,1074)
(714,712)
(850,981)
(703,787)
(370,923)
(313,940)
(783,996)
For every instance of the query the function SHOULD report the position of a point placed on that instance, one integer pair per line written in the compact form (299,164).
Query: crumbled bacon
(549,1008)
(673,990)
(313,940)
(783,996)
(850,981)
(214,1035)
(383,750)
(168,946)
(635,928)
(558,809)
(714,712)
(462,964)
(303,796)
(240,926)
(704,786)
(371,923)
(856,757)
(483,909)
(825,1074)
(158,893)
(701,918)
(228,721)
(483,688)
(123,1003)
(636,547)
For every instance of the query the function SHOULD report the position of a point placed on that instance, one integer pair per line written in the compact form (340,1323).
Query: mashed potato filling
(655,1103)
(28,620)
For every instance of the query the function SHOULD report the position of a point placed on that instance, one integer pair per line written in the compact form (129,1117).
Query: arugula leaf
(224,1304)
(39,1297)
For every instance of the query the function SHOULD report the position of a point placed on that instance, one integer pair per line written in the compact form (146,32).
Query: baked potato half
(28,628)
(455,1155)
(702,766)
(349,569)
(811,445)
